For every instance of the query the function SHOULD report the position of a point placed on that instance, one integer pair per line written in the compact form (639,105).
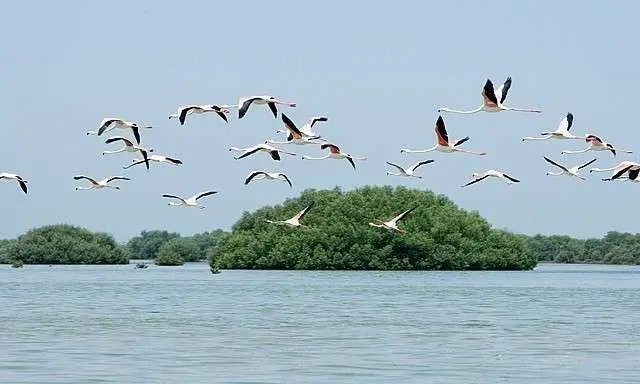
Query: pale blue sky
(378,72)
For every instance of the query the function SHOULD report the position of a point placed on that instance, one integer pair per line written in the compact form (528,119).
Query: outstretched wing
(173,160)
(248,153)
(511,178)
(441,132)
(286,178)
(291,126)
(399,168)
(633,174)
(274,110)
(353,164)
(118,138)
(556,164)
(203,194)
(244,106)
(488,93)
(566,123)
(275,155)
(316,119)
(421,163)
(23,184)
(184,112)
(136,133)
(504,89)
(332,147)
(80,177)
(611,149)
(105,124)
(461,141)
(302,213)
(118,178)
(252,175)
(402,215)
(588,163)
(475,180)
(174,197)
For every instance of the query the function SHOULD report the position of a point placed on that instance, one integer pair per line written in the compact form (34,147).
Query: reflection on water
(120,324)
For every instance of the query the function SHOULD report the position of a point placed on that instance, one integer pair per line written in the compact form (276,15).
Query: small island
(439,236)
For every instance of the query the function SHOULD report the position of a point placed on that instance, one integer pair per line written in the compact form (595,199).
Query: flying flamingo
(335,153)
(562,132)
(155,158)
(295,220)
(597,144)
(444,145)
(190,202)
(260,175)
(307,128)
(94,184)
(111,123)
(408,172)
(632,174)
(12,176)
(273,151)
(492,173)
(493,100)
(129,146)
(392,225)
(270,101)
(573,171)
(199,109)
(295,135)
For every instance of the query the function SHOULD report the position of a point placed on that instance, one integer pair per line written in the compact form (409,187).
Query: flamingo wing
(316,119)
(353,164)
(23,184)
(622,172)
(252,176)
(504,89)
(249,153)
(421,163)
(511,178)
(174,197)
(556,164)
(402,215)
(633,174)
(173,160)
(476,180)
(105,124)
(286,178)
(244,105)
(611,149)
(441,132)
(274,110)
(302,213)
(295,132)
(203,194)
(399,168)
(185,111)
(566,123)
(489,95)
(80,177)
(117,178)
(118,138)
(461,141)
(332,147)
(588,163)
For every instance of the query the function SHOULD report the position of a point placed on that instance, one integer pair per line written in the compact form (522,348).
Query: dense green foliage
(146,245)
(438,235)
(65,244)
(614,248)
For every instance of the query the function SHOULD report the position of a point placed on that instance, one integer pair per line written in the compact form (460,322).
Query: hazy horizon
(378,73)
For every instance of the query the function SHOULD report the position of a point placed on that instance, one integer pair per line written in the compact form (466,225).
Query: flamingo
(392,225)
(129,146)
(408,172)
(617,168)
(295,220)
(182,113)
(307,128)
(260,175)
(444,145)
(12,176)
(493,100)
(573,171)
(632,174)
(335,153)
(156,158)
(295,135)
(492,173)
(562,132)
(597,144)
(273,151)
(104,183)
(190,202)
(270,101)
(112,123)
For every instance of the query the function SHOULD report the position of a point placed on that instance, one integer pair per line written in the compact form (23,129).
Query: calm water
(118,324)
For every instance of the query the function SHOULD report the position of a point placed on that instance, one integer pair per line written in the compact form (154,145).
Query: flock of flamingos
(493,101)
